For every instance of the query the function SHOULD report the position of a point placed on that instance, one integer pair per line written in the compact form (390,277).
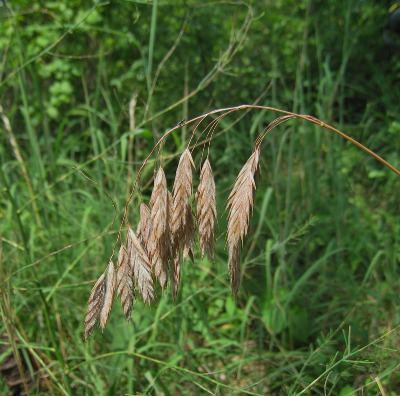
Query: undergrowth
(88,88)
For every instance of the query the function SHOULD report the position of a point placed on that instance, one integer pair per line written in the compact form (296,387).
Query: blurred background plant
(85,90)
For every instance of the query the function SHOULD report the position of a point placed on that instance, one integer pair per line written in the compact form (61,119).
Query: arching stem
(286,115)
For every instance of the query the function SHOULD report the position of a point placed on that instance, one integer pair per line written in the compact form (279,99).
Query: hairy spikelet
(181,196)
(206,209)
(100,300)
(140,266)
(125,282)
(240,203)
(159,221)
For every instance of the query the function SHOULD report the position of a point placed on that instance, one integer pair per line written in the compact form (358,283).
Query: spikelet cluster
(165,236)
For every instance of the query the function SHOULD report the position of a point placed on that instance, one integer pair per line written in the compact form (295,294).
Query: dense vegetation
(88,87)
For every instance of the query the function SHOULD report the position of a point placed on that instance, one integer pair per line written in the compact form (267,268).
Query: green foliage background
(318,310)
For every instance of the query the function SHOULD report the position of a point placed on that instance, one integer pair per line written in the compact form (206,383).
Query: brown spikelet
(125,282)
(159,221)
(109,282)
(144,227)
(181,220)
(181,195)
(95,303)
(182,247)
(141,267)
(206,209)
(169,240)
(188,235)
(100,300)
(158,204)
(240,203)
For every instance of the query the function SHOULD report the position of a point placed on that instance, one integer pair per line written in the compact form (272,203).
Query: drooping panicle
(206,210)
(240,204)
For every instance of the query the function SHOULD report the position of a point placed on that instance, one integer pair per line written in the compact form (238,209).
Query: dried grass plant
(166,228)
